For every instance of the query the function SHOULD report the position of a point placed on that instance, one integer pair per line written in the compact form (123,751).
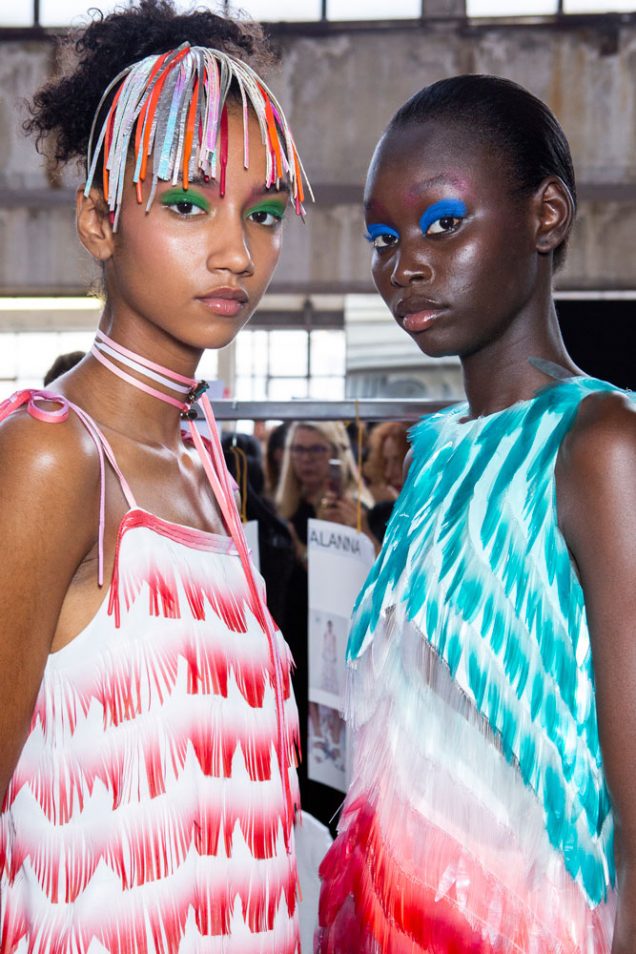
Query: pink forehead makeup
(414,193)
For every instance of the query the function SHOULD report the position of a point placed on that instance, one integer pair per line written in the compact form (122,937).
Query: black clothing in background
(277,557)
(321,801)
(378,518)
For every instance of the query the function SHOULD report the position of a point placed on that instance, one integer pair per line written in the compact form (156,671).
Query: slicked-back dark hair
(96,54)
(500,113)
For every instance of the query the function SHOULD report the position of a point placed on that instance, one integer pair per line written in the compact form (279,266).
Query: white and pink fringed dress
(147,813)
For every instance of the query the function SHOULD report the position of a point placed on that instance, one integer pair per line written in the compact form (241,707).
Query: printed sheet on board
(339,559)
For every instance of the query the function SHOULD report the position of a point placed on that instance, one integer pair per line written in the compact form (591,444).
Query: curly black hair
(65,107)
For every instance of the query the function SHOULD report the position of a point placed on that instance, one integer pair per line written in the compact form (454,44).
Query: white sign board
(250,529)
(339,559)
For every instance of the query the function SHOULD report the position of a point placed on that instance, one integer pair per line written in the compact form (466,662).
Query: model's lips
(225,301)
(418,314)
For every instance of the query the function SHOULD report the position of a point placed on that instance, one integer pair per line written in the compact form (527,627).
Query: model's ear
(93,224)
(554,207)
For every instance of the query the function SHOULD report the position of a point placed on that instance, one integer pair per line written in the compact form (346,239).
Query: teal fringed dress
(478,818)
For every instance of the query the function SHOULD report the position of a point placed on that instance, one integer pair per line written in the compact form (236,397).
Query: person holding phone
(334,483)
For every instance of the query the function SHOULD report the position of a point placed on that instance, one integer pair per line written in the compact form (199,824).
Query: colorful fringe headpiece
(175,106)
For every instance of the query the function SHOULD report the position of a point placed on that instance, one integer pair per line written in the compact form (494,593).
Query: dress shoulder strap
(34,401)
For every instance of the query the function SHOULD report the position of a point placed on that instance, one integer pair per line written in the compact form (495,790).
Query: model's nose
(410,265)
(229,246)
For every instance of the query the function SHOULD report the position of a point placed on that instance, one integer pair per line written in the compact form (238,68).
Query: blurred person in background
(275,544)
(304,490)
(383,468)
(358,433)
(62,364)
(274,452)
(304,493)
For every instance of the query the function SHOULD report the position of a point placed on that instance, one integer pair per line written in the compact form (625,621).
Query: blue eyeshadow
(445,208)
(374,230)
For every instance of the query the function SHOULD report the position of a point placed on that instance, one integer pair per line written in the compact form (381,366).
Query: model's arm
(596,486)
(49,485)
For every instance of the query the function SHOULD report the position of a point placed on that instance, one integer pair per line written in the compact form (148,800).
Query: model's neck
(500,374)
(154,379)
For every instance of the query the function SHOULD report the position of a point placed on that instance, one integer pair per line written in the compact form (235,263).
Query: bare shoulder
(49,499)
(596,476)
(46,464)
(601,446)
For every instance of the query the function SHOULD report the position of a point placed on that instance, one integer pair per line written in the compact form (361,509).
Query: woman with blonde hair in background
(305,475)
(307,489)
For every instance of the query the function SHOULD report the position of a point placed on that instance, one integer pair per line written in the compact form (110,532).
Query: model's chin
(218,341)
(434,345)
(221,331)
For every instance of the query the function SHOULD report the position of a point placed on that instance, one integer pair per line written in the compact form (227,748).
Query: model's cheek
(464,272)
(266,252)
(141,243)
(381,274)
(188,244)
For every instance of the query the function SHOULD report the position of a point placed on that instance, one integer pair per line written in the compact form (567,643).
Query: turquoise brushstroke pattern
(474,558)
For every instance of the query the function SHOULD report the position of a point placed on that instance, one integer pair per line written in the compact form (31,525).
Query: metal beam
(325,27)
(364,409)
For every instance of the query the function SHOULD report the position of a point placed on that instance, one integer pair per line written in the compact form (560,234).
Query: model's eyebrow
(282,188)
(198,179)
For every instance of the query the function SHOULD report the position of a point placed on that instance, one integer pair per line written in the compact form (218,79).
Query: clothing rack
(350,409)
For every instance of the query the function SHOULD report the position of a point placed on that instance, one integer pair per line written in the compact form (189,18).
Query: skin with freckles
(182,277)
(465,264)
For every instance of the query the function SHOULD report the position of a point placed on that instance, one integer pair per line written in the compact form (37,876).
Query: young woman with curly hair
(147,728)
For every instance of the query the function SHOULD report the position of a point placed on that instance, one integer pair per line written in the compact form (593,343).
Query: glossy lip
(226,300)
(418,313)
(413,304)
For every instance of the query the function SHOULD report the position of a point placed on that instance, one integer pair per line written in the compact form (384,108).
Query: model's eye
(265,218)
(187,208)
(188,204)
(443,217)
(448,223)
(381,236)
(386,240)
(270,215)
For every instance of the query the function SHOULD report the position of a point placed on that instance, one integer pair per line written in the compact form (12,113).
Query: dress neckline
(458,412)
(178,532)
